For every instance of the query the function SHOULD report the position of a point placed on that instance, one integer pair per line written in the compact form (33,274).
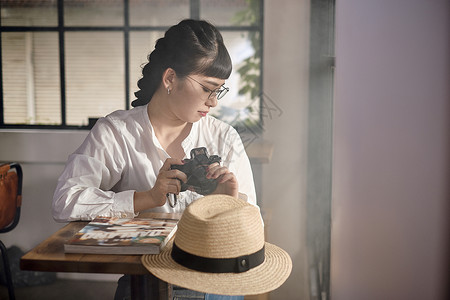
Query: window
(68,61)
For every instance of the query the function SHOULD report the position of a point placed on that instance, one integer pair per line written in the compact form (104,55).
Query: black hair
(190,47)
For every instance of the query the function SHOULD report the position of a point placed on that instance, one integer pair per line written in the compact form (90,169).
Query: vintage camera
(196,169)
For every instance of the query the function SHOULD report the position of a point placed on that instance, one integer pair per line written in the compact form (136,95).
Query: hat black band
(217,265)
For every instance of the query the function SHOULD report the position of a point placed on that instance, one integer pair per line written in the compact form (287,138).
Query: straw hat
(219,248)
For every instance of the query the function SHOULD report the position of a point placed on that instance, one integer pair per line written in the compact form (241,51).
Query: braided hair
(190,47)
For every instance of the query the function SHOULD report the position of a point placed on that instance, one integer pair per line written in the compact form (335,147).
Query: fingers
(173,186)
(169,173)
(228,184)
(169,162)
(167,182)
(215,171)
(212,169)
(226,177)
(174,174)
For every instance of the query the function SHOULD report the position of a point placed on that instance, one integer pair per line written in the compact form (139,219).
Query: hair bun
(161,44)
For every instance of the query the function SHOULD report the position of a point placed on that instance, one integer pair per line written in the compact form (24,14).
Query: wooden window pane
(95,75)
(93,13)
(158,12)
(29,13)
(142,43)
(228,13)
(31,81)
(241,104)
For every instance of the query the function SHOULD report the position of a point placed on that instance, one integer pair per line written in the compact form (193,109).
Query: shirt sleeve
(239,164)
(84,188)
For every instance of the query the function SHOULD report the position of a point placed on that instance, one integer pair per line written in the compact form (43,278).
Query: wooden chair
(10,203)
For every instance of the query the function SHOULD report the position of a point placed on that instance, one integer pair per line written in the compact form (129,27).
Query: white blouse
(122,155)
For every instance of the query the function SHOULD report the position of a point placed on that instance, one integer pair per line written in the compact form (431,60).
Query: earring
(168,90)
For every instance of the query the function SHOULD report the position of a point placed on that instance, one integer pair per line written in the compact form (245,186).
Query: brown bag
(10,199)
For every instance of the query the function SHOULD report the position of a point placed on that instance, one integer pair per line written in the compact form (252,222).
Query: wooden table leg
(145,287)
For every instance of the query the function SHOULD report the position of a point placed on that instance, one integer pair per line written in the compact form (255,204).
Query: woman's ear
(168,78)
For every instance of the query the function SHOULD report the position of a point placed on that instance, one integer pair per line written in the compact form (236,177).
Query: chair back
(10,195)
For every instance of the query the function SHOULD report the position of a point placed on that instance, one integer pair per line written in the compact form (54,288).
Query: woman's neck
(170,130)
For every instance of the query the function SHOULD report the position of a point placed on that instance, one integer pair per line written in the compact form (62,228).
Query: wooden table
(49,256)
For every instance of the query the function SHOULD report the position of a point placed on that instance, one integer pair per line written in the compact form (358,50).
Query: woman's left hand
(227,182)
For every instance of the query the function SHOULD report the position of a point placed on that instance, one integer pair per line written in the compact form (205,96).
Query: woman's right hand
(167,182)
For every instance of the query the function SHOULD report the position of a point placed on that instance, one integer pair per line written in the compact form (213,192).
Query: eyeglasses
(218,93)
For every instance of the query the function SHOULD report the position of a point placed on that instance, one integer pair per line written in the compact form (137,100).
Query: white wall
(390,206)
(42,155)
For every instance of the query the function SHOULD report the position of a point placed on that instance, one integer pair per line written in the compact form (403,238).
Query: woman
(124,165)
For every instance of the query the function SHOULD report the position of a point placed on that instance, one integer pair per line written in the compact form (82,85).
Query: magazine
(111,235)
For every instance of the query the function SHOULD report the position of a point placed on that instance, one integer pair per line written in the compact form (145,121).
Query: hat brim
(268,276)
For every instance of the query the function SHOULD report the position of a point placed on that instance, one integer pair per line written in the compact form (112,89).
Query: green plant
(250,68)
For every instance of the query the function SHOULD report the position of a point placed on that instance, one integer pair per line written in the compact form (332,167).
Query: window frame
(320,146)
(61,29)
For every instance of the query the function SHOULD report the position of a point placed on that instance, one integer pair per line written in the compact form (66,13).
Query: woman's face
(191,100)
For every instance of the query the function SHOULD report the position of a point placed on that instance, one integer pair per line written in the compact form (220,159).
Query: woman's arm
(238,163)
(82,192)
(84,188)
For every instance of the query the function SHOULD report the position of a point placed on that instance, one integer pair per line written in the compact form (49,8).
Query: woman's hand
(167,182)
(227,182)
